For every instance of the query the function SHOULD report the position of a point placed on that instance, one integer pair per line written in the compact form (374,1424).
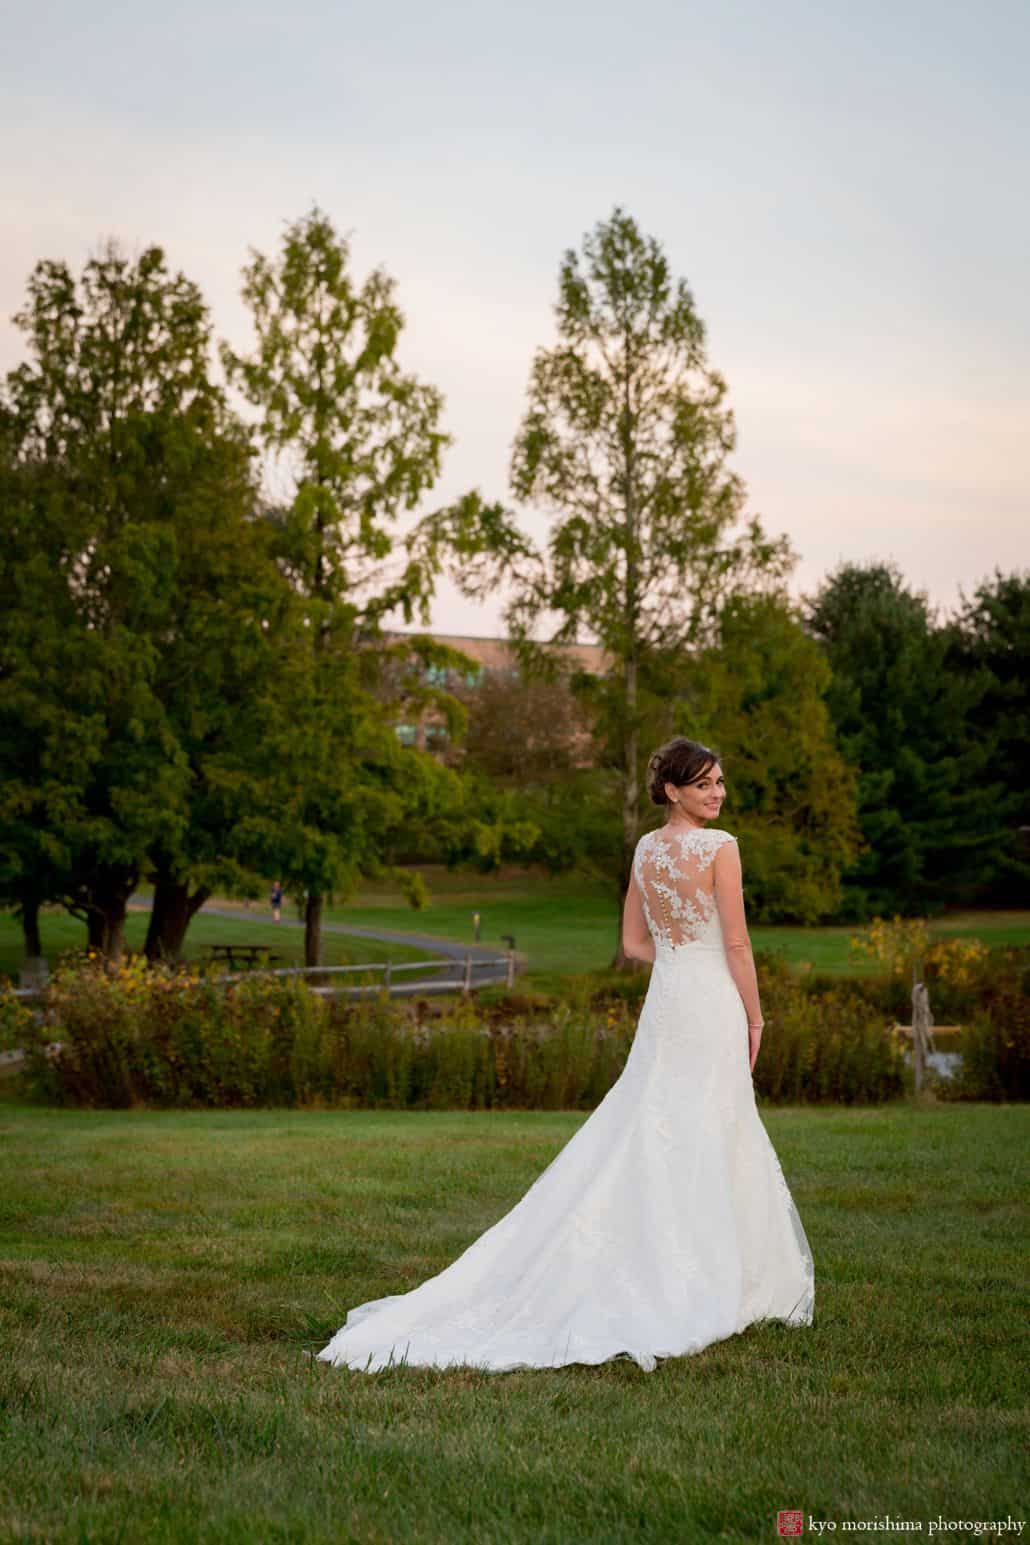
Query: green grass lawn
(564,927)
(565,924)
(162,1275)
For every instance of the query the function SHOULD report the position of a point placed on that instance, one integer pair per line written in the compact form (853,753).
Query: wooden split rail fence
(461,974)
(457,973)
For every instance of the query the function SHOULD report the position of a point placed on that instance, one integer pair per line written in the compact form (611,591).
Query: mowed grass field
(566,924)
(163,1275)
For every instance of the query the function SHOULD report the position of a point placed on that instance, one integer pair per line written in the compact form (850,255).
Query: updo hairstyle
(679,761)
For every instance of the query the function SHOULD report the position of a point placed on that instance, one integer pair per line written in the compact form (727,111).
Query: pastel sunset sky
(843,186)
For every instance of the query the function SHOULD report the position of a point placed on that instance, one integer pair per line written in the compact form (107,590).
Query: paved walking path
(487,965)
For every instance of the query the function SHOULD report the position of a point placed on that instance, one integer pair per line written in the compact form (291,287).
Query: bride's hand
(754,1035)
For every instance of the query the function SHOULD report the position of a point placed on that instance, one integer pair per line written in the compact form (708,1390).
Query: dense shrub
(987,992)
(15,1020)
(147,1036)
(830,1045)
(996,1040)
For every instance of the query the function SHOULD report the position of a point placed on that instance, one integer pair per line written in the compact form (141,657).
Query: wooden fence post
(922,1019)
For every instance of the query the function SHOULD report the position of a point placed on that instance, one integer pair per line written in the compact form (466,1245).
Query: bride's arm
(636,938)
(729,898)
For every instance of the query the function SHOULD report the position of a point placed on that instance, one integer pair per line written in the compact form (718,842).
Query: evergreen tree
(992,635)
(759,693)
(933,812)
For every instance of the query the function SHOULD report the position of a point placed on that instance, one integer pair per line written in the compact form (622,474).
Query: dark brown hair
(679,761)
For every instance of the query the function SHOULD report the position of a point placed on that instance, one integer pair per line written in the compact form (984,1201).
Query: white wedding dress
(665,1223)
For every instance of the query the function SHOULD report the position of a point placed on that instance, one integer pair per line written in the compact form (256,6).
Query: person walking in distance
(277,902)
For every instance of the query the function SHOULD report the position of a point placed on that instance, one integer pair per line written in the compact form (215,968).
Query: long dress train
(664,1224)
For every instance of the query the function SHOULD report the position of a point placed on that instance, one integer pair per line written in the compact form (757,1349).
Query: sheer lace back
(675,871)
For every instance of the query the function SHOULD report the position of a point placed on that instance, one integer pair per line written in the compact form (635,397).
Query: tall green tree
(115,386)
(992,635)
(626,442)
(360,441)
(935,816)
(47,742)
(758,694)
(219,656)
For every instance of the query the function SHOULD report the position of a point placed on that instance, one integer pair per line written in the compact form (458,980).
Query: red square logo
(790,1521)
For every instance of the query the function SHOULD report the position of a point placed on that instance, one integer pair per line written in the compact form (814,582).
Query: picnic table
(246,954)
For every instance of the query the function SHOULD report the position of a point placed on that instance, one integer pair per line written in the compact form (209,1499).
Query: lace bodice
(674,870)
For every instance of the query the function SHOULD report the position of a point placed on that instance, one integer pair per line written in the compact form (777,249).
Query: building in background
(511,723)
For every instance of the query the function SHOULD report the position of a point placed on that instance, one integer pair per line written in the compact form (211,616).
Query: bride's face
(700,801)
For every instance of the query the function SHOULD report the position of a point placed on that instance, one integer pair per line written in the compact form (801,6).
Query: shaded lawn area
(163,1273)
(61,932)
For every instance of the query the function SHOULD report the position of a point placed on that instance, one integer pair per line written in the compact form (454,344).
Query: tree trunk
(96,930)
(313,931)
(922,1039)
(631,603)
(630,801)
(106,927)
(30,927)
(107,906)
(171,913)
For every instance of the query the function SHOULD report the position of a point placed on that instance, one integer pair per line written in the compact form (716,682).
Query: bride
(665,1223)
